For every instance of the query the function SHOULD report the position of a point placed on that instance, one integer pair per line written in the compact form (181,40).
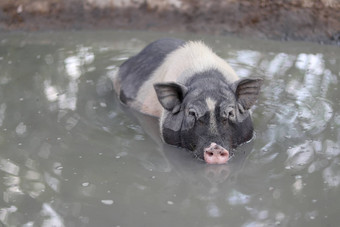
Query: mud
(305,20)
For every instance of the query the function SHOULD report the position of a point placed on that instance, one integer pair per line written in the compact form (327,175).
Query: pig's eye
(192,113)
(201,121)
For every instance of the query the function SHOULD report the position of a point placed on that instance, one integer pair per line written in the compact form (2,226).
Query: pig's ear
(247,91)
(170,95)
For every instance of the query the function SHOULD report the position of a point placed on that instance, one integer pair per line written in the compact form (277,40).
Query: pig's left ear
(170,95)
(247,91)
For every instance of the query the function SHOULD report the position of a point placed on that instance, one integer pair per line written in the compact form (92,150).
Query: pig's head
(209,117)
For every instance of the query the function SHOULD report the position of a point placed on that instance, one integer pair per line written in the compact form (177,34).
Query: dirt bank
(308,20)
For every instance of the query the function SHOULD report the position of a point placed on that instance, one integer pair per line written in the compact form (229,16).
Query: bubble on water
(85,184)
(107,201)
(21,129)
(170,202)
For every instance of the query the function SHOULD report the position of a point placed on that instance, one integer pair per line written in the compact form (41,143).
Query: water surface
(71,155)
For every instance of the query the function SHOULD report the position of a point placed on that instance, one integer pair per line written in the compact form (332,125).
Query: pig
(203,106)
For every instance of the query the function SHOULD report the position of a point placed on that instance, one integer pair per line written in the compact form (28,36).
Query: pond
(72,155)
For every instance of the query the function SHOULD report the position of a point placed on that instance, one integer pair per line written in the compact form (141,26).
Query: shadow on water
(71,155)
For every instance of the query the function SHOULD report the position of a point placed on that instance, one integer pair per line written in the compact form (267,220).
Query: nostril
(223,154)
(210,153)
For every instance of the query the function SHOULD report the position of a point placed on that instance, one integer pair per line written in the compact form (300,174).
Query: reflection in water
(51,218)
(331,174)
(300,156)
(69,156)
(2,113)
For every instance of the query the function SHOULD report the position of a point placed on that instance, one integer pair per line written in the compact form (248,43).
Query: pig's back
(166,60)
(137,70)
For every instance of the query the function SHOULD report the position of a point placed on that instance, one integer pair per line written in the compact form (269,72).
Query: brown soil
(307,20)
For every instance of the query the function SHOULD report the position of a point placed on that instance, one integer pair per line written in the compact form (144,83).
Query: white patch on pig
(180,65)
(211,104)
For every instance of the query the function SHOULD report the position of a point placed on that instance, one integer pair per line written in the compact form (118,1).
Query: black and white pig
(202,104)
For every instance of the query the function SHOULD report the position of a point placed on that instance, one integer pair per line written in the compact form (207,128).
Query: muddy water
(70,155)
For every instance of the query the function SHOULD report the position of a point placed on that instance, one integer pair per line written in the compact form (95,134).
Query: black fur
(136,70)
(190,128)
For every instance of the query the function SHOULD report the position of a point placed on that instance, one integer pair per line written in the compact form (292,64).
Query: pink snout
(215,154)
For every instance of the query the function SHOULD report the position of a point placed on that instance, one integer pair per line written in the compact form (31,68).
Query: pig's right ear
(247,91)
(170,95)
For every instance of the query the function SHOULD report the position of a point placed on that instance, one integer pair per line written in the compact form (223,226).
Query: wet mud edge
(278,20)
